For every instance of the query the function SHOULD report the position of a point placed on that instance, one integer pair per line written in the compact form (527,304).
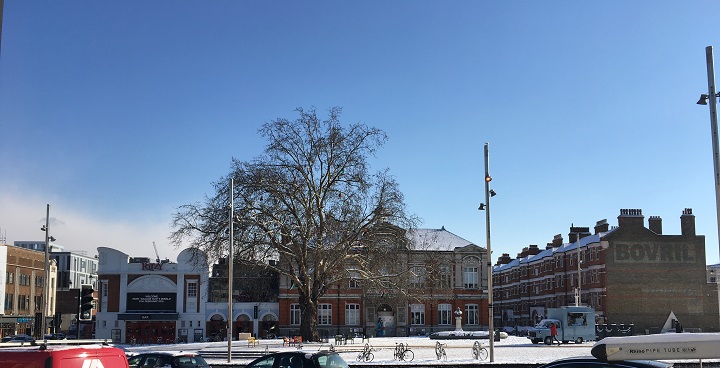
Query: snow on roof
(435,239)
(566,247)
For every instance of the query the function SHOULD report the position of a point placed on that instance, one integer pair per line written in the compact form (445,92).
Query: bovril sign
(653,253)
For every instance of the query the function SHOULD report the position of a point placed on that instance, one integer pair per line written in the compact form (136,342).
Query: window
(9,278)
(471,311)
(24,302)
(418,276)
(9,301)
(417,314)
(192,289)
(324,314)
(444,314)
(445,277)
(295,314)
(352,314)
(470,277)
(354,280)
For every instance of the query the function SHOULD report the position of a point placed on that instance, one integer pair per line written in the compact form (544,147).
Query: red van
(63,356)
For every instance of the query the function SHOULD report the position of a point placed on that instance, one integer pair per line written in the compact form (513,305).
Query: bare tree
(309,203)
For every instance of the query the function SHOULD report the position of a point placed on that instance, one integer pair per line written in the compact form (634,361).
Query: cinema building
(630,274)
(143,301)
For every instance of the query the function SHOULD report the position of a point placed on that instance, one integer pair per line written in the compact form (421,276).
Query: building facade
(630,274)
(22,291)
(443,271)
(74,270)
(151,302)
(255,301)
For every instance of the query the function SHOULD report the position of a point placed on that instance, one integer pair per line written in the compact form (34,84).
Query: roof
(549,252)
(435,239)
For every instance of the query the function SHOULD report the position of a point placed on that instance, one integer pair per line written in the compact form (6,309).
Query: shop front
(151,318)
(16,325)
(152,328)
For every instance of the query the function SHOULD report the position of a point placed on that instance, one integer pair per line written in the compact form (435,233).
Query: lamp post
(46,228)
(230,270)
(710,99)
(486,207)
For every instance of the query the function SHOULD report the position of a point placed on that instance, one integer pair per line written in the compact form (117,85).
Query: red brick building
(629,273)
(446,272)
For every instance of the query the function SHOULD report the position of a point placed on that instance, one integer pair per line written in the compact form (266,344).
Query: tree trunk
(308,323)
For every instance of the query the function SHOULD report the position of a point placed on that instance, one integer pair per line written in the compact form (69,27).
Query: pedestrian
(553,333)
(380,328)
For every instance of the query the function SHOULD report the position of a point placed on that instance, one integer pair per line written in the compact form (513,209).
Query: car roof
(631,363)
(168,352)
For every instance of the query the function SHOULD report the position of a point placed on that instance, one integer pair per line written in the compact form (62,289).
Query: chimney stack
(576,233)
(601,226)
(504,259)
(655,224)
(687,222)
(631,218)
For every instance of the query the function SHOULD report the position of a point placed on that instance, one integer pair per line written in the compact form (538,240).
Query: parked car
(592,362)
(173,359)
(55,336)
(63,357)
(18,338)
(299,359)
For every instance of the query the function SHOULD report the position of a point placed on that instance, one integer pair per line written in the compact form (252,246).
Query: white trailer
(573,324)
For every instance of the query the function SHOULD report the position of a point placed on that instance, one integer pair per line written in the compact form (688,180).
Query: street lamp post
(230,270)
(491,307)
(40,334)
(711,100)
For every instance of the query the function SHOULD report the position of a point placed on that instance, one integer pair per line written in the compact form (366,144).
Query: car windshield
(330,361)
(190,361)
(544,324)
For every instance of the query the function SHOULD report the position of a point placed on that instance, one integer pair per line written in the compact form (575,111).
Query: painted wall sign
(654,253)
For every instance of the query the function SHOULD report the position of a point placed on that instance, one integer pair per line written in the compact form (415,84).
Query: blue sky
(116,113)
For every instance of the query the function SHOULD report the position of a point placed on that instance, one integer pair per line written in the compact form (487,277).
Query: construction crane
(156,253)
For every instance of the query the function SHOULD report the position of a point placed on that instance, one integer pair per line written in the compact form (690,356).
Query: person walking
(553,333)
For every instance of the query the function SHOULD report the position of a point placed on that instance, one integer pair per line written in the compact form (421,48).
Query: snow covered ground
(510,350)
(515,350)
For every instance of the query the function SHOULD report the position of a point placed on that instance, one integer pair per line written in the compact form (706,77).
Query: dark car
(300,359)
(591,362)
(174,359)
(18,338)
(55,336)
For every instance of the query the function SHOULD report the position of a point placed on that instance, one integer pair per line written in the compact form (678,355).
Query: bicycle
(366,354)
(479,351)
(440,350)
(403,352)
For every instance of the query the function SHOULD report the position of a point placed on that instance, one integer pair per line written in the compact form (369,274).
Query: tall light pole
(491,307)
(45,303)
(710,99)
(230,269)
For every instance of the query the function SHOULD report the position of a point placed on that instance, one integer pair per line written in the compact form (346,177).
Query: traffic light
(86,302)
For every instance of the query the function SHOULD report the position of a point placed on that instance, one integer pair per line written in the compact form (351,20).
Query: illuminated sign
(151,302)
